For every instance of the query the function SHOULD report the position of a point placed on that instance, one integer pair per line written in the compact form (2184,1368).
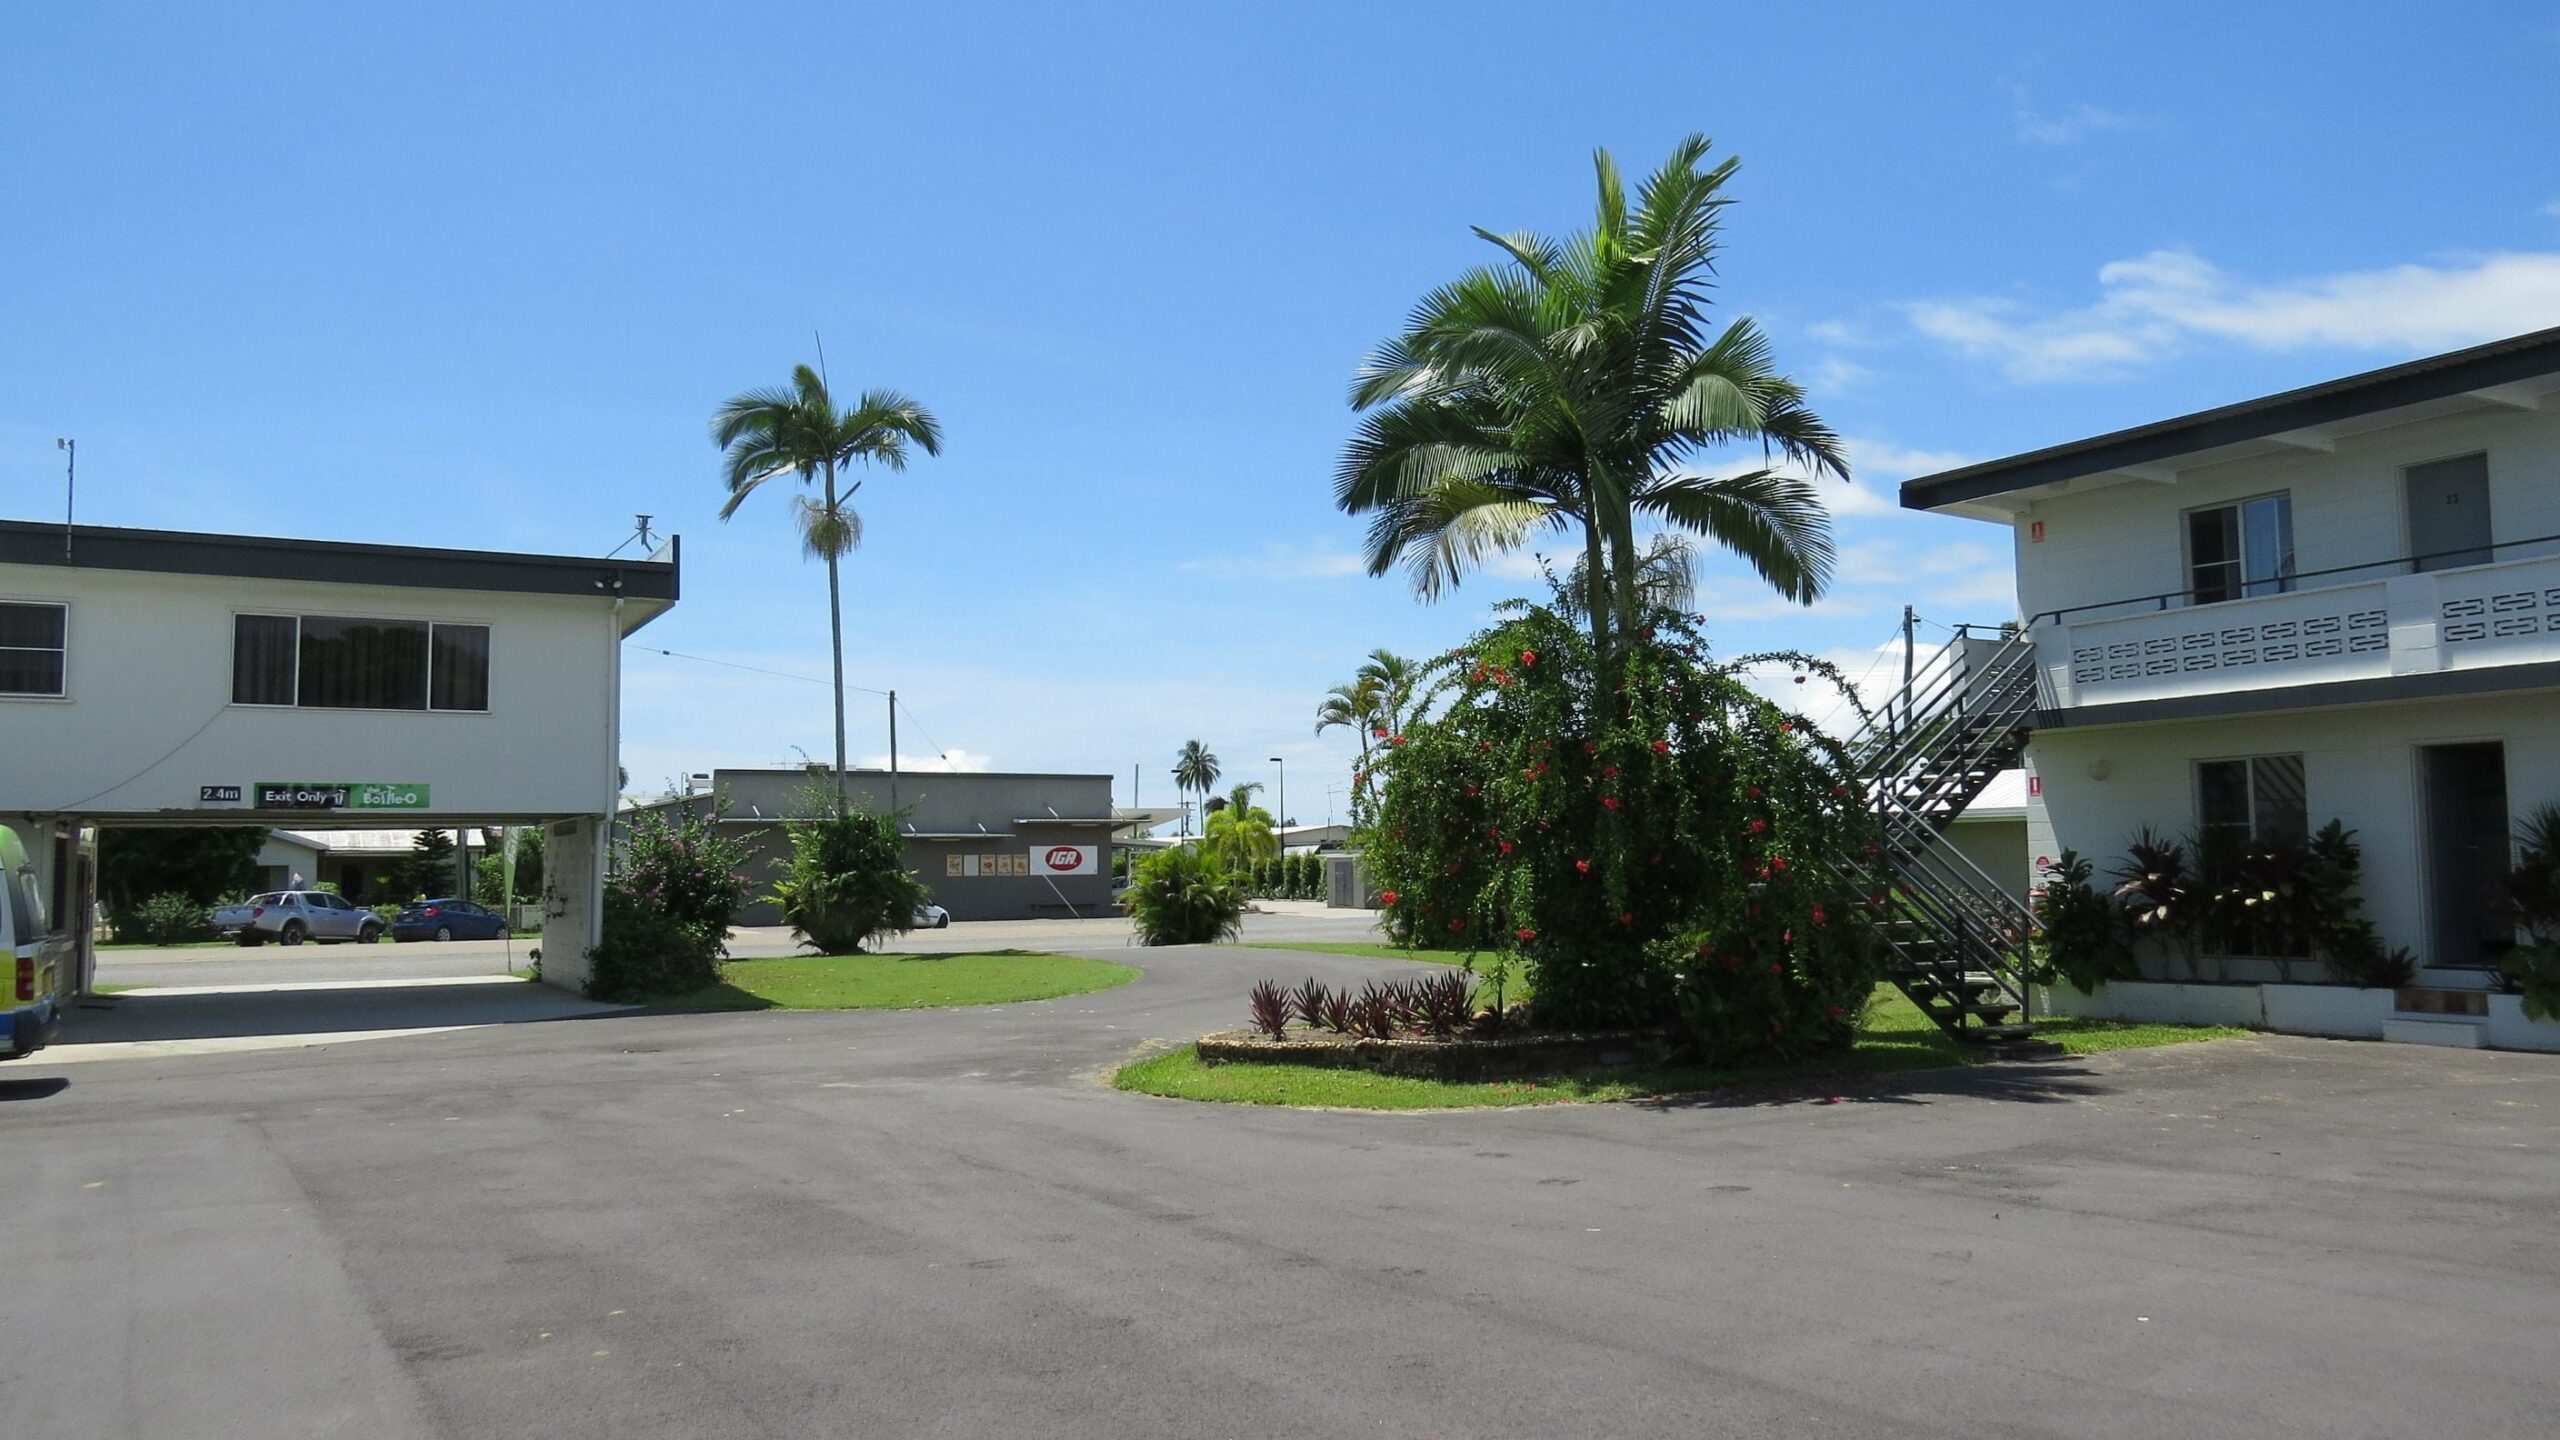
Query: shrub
(666,911)
(164,920)
(1181,898)
(2532,893)
(1661,847)
(1271,1007)
(2082,943)
(2158,894)
(848,882)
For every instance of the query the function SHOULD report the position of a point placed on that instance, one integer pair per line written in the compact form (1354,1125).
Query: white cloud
(2071,122)
(954,761)
(1281,562)
(1833,372)
(2552,209)
(2154,305)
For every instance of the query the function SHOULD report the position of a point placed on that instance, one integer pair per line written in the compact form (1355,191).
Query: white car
(290,917)
(930,916)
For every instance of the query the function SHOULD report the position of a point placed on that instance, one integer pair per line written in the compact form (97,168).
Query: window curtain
(262,650)
(363,664)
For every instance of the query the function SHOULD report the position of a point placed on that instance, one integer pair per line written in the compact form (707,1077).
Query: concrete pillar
(572,898)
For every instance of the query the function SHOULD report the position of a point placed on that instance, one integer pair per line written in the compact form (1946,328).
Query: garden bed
(1469,1058)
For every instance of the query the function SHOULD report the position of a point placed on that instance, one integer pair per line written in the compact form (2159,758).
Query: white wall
(148,718)
(2101,785)
(2126,539)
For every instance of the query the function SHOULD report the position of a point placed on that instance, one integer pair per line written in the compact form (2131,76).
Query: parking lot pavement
(936,1223)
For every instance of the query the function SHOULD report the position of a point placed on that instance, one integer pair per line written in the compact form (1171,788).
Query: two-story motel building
(2337,602)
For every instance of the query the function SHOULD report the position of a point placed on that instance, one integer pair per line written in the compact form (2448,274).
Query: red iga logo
(1063,857)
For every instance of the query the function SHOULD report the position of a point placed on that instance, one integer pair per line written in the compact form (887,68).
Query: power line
(756,669)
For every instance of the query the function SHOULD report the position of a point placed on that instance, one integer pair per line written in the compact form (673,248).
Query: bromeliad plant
(2158,894)
(1663,847)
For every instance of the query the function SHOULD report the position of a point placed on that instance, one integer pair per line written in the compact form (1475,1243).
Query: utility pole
(893,752)
(70,488)
(1907,621)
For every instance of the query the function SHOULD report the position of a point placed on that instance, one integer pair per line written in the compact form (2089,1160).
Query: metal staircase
(1958,942)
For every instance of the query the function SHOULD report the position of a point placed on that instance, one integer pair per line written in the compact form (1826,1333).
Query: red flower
(1608,772)
(1398,740)
(1753,792)
(1661,747)
(1786,937)
(1820,916)
(1706,947)
(1380,732)
(1387,897)
(1506,847)
(1835,1012)
(1474,790)
(1626,917)
(1778,863)
(1485,745)
(1609,800)
(1457,925)
(1582,865)
(1839,789)
(1590,749)
(1759,827)
(1528,657)
(1777,969)
(1528,935)
(1733,962)
(1786,727)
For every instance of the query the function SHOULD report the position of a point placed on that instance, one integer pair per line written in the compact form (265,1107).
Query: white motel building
(2340,602)
(157,678)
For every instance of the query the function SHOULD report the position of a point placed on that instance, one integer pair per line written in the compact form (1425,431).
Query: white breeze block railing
(2480,615)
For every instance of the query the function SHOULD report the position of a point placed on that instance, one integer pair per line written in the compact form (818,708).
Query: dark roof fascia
(2501,362)
(2378,690)
(261,557)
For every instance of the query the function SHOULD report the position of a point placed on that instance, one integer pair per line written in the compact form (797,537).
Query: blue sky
(476,274)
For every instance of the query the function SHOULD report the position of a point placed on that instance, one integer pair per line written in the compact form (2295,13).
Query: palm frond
(1775,522)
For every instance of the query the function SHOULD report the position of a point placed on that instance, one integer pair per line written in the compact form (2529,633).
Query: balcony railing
(2396,620)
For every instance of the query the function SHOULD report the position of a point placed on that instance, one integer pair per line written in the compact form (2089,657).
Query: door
(2466,851)
(2449,512)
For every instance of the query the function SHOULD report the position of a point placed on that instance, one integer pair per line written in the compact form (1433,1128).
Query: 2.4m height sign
(1066,859)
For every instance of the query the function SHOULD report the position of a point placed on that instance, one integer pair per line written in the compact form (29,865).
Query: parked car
(290,917)
(930,916)
(447,920)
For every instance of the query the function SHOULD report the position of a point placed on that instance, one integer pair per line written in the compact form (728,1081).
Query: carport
(160,678)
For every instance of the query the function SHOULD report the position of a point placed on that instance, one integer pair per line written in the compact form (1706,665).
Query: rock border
(1500,1057)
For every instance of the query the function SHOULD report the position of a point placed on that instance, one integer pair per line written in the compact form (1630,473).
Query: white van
(44,974)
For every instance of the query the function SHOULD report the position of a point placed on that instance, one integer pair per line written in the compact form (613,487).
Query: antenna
(643,521)
(70,487)
(822,359)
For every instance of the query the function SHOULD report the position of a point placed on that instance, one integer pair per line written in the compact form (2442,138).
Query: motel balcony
(2410,627)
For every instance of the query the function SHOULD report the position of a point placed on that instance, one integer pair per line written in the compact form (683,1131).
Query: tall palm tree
(797,430)
(1572,388)
(1352,707)
(1194,768)
(1392,676)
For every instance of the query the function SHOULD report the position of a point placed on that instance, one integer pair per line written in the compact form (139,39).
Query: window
(31,648)
(331,662)
(2241,549)
(2241,803)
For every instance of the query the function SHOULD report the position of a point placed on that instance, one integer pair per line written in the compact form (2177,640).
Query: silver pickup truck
(290,917)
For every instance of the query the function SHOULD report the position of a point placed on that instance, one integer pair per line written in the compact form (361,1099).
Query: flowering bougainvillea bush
(1663,847)
(667,905)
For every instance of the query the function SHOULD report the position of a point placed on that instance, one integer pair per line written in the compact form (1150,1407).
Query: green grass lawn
(1893,1036)
(901,982)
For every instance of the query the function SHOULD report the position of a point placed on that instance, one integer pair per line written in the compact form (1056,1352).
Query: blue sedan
(446,920)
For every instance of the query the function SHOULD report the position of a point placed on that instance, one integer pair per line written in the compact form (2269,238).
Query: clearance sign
(1065,860)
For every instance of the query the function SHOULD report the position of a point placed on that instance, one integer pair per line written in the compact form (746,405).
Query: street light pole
(1279,822)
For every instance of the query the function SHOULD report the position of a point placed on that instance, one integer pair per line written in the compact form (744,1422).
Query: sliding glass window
(337,662)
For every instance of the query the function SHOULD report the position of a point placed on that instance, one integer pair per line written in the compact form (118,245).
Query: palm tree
(1240,831)
(1194,768)
(799,431)
(1352,707)
(1392,676)
(1666,577)
(1571,389)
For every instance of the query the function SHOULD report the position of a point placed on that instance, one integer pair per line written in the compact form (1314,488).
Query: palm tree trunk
(1595,573)
(835,634)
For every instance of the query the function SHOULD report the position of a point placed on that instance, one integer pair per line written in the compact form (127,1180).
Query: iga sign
(1065,860)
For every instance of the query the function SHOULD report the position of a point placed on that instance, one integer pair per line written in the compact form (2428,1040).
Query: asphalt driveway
(938,1224)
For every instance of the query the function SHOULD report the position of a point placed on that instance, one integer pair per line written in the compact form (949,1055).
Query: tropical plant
(1270,1006)
(163,920)
(1390,677)
(2158,895)
(2532,894)
(429,868)
(2258,905)
(1575,387)
(797,430)
(2080,940)
(1669,854)
(848,881)
(676,884)
(1195,769)
(136,865)
(1354,707)
(1239,833)
(1180,897)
